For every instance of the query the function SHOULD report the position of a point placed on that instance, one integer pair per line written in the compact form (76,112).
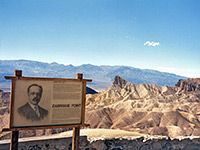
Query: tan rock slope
(143,109)
(147,108)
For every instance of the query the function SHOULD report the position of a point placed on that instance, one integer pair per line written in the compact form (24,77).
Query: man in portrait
(31,110)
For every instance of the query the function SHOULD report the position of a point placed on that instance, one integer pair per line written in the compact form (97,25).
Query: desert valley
(146,109)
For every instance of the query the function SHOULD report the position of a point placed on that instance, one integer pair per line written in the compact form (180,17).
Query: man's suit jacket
(28,112)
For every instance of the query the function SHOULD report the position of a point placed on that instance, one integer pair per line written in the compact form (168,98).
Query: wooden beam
(15,134)
(76,130)
(44,78)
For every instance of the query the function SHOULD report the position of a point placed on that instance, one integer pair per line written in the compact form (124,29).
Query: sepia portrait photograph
(32,103)
(44,103)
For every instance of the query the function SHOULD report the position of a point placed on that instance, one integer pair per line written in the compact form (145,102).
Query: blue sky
(147,34)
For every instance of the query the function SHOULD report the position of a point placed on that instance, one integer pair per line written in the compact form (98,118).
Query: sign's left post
(15,134)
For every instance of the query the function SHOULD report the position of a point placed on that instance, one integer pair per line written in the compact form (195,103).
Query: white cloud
(148,43)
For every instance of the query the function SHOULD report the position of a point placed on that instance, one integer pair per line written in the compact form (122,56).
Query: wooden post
(75,138)
(14,140)
(15,134)
(76,130)
(18,73)
(79,76)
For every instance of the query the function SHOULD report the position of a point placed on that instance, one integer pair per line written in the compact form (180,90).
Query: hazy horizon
(93,65)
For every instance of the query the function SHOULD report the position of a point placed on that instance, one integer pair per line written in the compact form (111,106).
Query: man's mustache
(35,99)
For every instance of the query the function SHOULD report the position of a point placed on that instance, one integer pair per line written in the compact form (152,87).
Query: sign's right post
(76,130)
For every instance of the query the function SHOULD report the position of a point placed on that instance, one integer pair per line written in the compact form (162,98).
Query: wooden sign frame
(76,128)
(16,79)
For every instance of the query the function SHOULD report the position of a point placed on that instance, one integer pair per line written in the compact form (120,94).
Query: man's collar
(33,106)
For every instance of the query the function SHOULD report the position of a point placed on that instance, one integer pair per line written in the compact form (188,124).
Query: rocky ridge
(147,108)
(142,108)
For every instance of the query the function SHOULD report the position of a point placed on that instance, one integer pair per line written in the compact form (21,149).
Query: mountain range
(102,76)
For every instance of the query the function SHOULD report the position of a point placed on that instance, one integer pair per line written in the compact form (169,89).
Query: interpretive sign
(42,102)
(38,103)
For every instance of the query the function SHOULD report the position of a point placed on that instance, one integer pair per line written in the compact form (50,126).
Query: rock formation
(142,108)
(147,108)
(189,85)
(4,98)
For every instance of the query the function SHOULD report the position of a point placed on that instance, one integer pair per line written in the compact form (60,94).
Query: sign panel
(46,103)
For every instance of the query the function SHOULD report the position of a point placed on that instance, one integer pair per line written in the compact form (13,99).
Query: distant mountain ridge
(102,75)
